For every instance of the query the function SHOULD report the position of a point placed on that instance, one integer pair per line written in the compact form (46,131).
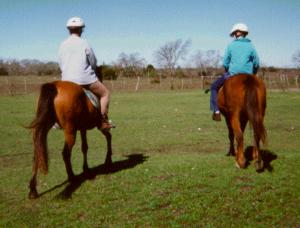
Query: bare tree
(131,65)
(213,58)
(168,56)
(200,62)
(207,59)
(296,61)
(296,58)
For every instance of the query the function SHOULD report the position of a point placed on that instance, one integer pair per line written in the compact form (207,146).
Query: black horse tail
(255,96)
(42,123)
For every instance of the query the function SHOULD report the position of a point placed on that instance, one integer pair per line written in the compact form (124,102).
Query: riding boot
(106,124)
(216,116)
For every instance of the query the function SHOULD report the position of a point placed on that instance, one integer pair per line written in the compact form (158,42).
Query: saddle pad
(92,97)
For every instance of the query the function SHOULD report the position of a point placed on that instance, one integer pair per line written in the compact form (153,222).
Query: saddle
(92,97)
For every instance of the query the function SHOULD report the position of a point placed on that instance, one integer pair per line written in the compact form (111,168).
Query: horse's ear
(98,72)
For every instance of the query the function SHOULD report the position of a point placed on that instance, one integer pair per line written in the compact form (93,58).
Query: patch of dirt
(12,160)
(195,148)
(163,177)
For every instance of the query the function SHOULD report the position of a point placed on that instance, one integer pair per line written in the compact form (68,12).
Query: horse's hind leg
(84,149)
(32,184)
(231,138)
(257,158)
(240,157)
(108,160)
(70,137)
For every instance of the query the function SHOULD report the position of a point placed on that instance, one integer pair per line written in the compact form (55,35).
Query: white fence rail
(13,85)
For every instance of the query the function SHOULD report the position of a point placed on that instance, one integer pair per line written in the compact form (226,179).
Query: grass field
(169,168)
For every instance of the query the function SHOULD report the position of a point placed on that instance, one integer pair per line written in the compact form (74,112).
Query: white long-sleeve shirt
(77,61)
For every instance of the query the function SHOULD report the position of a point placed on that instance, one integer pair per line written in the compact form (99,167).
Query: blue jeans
(215,86)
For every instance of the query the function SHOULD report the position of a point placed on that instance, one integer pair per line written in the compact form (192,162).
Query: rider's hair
(75,30)
(243,33)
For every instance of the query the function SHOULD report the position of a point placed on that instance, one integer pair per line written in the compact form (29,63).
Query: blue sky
(33,29)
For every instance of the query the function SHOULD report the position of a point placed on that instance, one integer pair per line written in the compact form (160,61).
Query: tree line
(28,67)
(168,59)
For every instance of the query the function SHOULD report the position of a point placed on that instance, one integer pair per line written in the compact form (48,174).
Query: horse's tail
(42,123)
(255,96)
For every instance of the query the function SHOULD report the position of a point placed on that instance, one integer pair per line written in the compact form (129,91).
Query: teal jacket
(240,57)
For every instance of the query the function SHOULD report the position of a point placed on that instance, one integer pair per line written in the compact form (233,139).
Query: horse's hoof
(33,194)
(237,165)
(240,166)
(259,166)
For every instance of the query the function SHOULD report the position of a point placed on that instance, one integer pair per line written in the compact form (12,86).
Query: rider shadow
(267,157)
(131,161)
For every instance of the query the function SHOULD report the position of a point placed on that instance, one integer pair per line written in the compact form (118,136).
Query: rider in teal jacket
(240,57)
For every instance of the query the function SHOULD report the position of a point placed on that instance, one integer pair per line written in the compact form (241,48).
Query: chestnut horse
(64,103)
(243,99)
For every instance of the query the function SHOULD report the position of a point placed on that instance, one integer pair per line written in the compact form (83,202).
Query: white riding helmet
(75,22)
(239,27)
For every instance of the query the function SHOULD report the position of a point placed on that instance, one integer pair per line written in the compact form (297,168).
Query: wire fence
(17,85)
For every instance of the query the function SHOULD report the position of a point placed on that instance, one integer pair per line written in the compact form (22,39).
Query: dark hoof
(33,194)
(259,166)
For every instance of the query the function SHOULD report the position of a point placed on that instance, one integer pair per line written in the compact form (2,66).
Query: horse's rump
(72,105)
(239,90)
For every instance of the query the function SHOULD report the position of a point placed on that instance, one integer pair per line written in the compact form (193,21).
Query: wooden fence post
(8,86)
(160,81)
(287,80)
(137,84)
(25,85)
(11,87)
(112,84)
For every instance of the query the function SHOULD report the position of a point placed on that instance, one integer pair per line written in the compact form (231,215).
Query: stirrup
(106,125)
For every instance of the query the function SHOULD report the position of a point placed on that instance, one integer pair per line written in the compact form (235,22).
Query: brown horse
(64,103)
(243,99)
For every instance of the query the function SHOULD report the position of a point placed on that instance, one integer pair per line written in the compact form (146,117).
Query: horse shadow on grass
(131,161)
(267,157)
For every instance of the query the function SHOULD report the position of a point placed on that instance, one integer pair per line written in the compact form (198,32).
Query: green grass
(183,177)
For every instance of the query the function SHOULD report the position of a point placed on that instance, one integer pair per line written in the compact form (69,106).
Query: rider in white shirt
(77,61)
(78,64)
